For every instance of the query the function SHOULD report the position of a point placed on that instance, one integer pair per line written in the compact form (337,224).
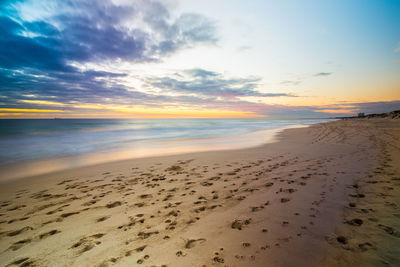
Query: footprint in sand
(389,230)
(355,222)
(192,242)
(284,200)
(113,204)
(19,244)
(17,232)
(342,240)
(218,258)
(180,254)
(50,233)
(239,224)
(87,243)
(102,219)
(23,262)
(246,244)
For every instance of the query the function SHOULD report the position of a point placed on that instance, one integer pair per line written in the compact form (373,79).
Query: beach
(323,195)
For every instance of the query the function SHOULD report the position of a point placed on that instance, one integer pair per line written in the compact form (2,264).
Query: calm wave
(25,140)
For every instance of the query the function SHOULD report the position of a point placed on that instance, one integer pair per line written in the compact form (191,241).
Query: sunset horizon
(145,59)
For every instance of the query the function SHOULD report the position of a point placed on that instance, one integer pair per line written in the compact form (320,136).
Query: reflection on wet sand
(139,150)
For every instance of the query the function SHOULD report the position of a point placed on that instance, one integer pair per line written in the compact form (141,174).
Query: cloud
(324,111)
(303,78)
(193,88)
(94,30)
(351,109)
(86,87)
(322,74)
(53,61)
(202,82)
(291,82)
(40,56)
(18,51)
(377,107)
(201,73)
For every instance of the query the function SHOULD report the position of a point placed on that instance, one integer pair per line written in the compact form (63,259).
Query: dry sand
(327,195)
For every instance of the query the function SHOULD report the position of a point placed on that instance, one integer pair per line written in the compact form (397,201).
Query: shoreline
(283,204)
(25,169)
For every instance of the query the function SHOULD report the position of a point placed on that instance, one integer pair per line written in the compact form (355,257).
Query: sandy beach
(326,195)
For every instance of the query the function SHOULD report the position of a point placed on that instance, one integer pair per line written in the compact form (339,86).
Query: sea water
(91,141)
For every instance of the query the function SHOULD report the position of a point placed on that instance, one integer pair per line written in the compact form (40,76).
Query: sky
(198,59)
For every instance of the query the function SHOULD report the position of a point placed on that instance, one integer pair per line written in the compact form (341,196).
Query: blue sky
(189,58)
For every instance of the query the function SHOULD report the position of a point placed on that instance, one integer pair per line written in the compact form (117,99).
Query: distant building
(361,114)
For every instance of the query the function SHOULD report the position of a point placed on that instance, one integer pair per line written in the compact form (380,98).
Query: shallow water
(55,144)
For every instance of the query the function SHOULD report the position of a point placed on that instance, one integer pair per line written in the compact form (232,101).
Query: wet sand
(327,195)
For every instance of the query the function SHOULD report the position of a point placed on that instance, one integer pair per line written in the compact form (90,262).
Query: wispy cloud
(207,83)
(303,78)
(319,74)
(296,82)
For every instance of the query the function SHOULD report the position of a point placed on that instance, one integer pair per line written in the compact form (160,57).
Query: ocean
(90,141)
